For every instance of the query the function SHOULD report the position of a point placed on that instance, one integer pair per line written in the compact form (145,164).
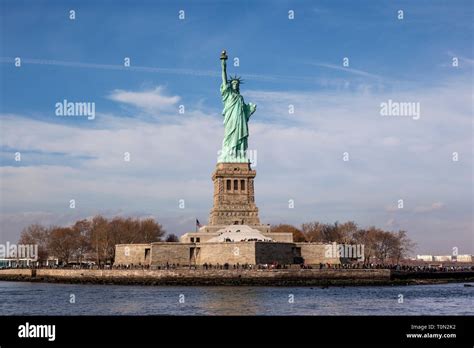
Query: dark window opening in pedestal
(242,185)
(228,187)
(236,185)
(198,239)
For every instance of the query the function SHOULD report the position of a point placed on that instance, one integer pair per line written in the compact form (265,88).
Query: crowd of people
(205,266)
(246,266)
(398,267)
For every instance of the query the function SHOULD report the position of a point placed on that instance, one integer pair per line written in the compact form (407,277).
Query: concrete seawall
(280,277)
(203,277)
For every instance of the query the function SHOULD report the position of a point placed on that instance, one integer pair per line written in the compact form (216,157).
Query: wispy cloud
(160,70)
(152,100)
(348,70)
(333,82)
(73,64)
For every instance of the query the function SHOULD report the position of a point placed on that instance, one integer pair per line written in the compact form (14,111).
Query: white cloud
(152,100)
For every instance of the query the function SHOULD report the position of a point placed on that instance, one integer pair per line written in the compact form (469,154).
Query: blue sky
(299,62)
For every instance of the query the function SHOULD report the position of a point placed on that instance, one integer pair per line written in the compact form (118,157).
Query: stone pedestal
(234,198)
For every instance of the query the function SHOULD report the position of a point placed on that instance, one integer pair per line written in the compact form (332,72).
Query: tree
(82,228)
(99,237)
(313,231)
(384,244)
(105,234)
(402,246)
(367,238)
(150,231)
(331,233)
(172,238)
(346,232)
(36,234)
(63,243)
(298,236)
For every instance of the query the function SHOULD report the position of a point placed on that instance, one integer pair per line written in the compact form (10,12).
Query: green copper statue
(236,116)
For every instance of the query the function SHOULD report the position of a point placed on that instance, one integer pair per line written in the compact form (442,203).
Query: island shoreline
(190,277)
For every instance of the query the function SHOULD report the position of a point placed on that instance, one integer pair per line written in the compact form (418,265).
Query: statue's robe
(236,115)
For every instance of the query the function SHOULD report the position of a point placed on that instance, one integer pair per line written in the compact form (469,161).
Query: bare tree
(368,239)
(63,243)
(401,247)
(150,231)
(37,235)
(346,232)
(99,238)
(313,231)
(105,234)
(384,244)
(82,228)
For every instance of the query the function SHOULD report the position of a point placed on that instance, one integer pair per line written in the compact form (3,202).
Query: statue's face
(235,85)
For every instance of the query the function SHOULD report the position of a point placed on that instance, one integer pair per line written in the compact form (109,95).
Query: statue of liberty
(236,116)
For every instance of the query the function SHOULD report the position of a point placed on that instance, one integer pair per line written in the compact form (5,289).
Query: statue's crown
(236,78)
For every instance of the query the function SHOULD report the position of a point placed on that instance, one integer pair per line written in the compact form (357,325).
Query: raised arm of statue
(224,71)
(224,67)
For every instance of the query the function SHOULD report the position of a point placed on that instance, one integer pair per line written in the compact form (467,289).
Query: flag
(198,225)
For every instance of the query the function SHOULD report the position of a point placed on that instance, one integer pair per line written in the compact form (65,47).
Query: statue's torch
(224,55)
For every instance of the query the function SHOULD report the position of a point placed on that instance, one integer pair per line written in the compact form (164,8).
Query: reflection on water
(233,301)
(22,298)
